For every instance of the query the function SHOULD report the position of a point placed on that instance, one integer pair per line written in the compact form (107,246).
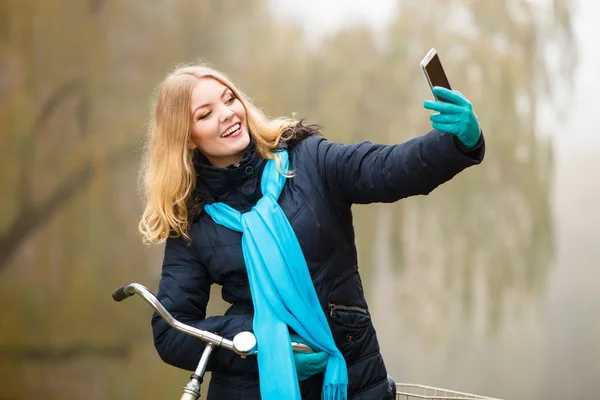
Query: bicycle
(244,344)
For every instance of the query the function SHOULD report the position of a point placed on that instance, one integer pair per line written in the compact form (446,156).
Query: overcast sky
(320,17)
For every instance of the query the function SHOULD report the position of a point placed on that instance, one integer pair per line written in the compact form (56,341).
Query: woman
(212,155)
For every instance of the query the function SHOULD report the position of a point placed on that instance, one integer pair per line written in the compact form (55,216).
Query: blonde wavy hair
(167,176)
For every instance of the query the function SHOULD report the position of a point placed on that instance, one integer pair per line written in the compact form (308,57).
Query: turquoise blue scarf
(282,292)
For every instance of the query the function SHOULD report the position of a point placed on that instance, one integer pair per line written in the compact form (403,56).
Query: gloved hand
(308,364)
(455,116)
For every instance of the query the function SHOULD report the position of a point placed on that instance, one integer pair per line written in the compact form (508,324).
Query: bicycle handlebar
(243,344)
(122,293)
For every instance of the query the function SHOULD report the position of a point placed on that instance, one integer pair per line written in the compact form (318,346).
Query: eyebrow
(208,104)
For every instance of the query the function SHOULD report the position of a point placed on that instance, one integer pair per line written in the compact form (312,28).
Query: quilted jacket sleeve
(184,290)
(367,173)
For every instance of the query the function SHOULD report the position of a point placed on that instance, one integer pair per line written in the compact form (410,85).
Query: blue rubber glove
(308,364)
(456,115)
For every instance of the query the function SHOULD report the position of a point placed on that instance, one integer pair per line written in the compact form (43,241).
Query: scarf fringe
(335,391)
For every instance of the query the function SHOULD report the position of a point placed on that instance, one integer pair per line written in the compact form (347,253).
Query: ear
(191,146)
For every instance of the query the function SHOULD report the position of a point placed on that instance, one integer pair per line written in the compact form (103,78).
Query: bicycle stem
(192,390)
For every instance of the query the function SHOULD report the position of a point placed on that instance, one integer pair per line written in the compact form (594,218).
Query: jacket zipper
(334,307)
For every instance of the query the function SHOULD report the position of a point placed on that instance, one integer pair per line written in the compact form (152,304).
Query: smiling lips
(233,130)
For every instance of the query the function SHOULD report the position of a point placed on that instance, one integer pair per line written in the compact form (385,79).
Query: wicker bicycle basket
(407,391)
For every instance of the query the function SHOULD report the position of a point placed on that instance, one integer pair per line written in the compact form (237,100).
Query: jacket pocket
(334,309)
(352,331)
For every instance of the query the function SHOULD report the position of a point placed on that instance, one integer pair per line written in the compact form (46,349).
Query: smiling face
(219,128)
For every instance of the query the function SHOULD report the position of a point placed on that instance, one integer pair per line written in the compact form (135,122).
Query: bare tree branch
(48,107)
(30,219)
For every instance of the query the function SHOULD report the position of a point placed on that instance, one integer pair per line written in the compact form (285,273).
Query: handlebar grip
(122,293)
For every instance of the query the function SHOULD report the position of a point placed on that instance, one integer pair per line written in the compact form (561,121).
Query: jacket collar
(215,183)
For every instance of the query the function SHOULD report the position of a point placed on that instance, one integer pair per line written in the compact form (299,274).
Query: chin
(244,140)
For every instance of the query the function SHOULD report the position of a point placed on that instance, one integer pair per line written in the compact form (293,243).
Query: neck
(223,162)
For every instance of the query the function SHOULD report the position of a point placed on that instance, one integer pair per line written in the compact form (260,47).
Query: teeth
(231,130)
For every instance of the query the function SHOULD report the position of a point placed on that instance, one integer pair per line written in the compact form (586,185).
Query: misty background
(488,285)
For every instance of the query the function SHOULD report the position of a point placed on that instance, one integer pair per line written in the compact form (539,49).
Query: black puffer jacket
(328,178)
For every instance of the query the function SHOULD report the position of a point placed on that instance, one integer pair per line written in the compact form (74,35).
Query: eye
(203,116)
(230,100)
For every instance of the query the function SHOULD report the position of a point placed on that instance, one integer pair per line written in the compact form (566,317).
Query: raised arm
(367,173)
(184,290)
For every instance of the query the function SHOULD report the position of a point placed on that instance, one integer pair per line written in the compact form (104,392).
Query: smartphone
(434,72)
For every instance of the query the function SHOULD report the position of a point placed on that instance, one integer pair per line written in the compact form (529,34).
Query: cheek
(201,132)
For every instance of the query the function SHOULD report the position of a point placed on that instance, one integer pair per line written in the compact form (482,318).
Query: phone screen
(436,74)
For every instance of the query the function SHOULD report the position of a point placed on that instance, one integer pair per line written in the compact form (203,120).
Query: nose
(226,114)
